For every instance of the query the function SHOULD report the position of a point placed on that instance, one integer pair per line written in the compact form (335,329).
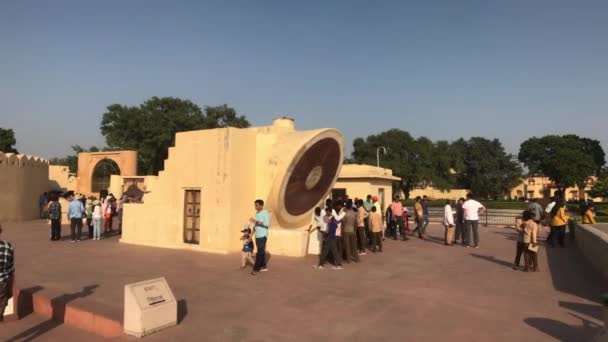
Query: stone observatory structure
(205,195)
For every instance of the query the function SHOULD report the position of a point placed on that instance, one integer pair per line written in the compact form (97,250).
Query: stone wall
(23,179)
(593,245)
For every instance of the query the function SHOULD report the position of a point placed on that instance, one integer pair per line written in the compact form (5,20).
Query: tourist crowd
(81,211)
(349,228)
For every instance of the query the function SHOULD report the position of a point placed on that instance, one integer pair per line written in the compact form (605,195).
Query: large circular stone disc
(312,176)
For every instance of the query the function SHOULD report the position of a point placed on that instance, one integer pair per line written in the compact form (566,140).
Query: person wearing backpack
(55,217)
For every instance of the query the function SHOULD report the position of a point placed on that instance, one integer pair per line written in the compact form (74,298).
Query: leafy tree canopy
(479,164)
(7,140)
(489,172)
(150,127)
(567,160)
(72,160)
(600,188)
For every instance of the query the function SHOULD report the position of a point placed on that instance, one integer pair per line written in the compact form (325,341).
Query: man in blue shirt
(75,212)
(261,222)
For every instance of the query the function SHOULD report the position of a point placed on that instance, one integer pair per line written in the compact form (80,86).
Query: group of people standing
(84,211)
(463,222)
(349,228)
(553,216)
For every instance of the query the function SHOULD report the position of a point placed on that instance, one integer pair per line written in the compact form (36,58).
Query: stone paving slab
(602,226)
(414,291)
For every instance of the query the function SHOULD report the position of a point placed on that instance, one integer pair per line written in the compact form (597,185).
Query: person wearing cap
(247,247)
(377,204)
(109,209)
(96,216)
(75,213)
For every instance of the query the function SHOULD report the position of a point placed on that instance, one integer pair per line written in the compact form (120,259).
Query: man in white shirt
(339,216)
(448,222)
(472,210)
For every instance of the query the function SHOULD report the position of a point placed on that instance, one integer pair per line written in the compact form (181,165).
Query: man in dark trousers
(459,222)
(262,223)
(55,217)
(348,233)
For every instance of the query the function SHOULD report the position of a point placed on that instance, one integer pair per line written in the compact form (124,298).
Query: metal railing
(506,217)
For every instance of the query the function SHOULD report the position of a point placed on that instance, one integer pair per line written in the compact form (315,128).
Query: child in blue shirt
(247,247)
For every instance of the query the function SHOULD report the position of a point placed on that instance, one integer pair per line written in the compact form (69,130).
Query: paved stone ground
(414,291)
(602,226)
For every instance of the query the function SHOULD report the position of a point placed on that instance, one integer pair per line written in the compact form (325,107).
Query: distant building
(543,187)
(361,180)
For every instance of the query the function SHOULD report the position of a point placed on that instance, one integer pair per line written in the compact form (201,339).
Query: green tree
(489,172)
(567,160)
(7,140)
(72,160)
(418,162)
(150,127)
(600,188)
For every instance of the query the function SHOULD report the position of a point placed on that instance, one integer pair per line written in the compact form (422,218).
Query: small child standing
(247,247)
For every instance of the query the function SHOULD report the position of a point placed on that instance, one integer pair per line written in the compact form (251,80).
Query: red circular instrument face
(312,176)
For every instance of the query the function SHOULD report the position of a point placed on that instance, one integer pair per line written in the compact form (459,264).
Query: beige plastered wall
(61,178)
(87,161)
(361,187)
(433,193)
(22,180)
(534,187)
(231,167)
(362,180)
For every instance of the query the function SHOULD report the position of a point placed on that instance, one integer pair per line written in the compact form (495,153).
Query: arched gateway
(87,161)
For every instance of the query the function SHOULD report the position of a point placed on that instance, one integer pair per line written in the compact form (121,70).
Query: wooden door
(192,216)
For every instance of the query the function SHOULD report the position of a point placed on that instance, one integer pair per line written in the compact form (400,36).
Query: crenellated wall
(23,179)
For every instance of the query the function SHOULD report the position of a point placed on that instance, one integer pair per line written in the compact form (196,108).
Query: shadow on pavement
(571,274)
(182,310)
(590,310)
(565,332)
(493,259)
(58,305)
(25,301)
(508,236)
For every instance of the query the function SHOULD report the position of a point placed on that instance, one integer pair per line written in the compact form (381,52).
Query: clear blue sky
(442,69)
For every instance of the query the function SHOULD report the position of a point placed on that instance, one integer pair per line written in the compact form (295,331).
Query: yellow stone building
(23,179)
(361,180)
(205,194)
(543,187)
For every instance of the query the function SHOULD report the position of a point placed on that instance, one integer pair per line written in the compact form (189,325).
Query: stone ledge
(592,243)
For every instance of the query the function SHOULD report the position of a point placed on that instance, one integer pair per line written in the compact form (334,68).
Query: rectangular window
(192,216)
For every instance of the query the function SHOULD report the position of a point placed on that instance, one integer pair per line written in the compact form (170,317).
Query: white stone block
(149,307)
